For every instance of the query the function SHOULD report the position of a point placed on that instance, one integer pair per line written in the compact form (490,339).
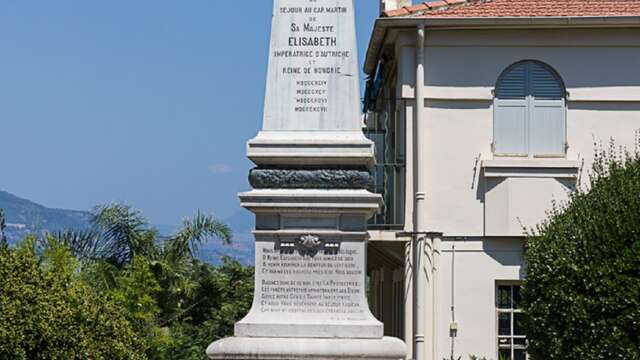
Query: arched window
(529,111)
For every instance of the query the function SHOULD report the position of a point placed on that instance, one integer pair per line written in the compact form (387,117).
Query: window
(385,126)
(512,341)
(529,112)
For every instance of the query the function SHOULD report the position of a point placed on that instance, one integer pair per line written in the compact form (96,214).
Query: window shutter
(529,111)
(544,83)
(510,111)
(513,83)
(510,126)
(547,127)
(547,114)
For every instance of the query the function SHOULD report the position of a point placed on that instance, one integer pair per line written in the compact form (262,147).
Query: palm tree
(123,233)
(195,231)
(120,233)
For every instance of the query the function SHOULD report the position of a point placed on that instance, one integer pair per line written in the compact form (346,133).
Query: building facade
(484,113)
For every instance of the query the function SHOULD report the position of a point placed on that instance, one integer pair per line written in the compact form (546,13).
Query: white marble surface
(305,200)
(312,81)
(314,296)
(301,148)
(239,348)
(312,101)
(311,304)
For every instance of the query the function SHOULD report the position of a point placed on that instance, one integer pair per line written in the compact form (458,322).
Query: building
(512,95)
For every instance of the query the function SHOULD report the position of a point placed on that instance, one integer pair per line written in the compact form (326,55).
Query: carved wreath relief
(309,245)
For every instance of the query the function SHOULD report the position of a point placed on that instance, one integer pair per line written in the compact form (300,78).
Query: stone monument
(310,198)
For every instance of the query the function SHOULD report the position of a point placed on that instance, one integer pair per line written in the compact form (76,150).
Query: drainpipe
(436,242)
(422,334)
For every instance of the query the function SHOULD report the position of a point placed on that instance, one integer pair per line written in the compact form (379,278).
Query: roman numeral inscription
(312,81)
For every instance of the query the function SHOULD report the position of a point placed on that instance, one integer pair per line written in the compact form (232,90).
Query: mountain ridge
(25,217)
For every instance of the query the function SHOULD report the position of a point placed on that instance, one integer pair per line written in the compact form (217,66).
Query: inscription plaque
(313,75)
(310,295)
(323,284)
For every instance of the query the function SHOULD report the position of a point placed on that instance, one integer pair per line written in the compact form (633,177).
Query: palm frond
(194,233)
(124,233)
(84,244)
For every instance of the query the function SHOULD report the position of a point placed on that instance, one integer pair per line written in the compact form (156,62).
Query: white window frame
(511,311)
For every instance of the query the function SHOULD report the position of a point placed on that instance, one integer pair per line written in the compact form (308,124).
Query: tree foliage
(582,288)
(118,291)
(47,313)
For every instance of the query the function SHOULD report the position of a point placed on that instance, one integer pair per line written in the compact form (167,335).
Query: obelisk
(311,199)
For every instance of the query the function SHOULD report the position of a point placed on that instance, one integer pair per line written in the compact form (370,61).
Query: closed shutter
(510,111)
(529,111)
(545,85)
(547,122)
(547,127)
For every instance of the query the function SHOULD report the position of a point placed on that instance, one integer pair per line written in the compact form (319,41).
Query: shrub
(582,288)
(47,313)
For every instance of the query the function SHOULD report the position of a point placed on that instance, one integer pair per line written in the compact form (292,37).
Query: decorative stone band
(309,179)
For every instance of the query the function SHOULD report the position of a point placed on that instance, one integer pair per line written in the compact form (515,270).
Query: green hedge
(582,288)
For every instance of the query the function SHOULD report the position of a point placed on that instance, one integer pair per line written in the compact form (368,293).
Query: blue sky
(148,102)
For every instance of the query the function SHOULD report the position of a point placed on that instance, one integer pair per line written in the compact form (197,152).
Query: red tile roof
(518,8)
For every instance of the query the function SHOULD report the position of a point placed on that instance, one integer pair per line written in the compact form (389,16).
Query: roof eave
(383,24)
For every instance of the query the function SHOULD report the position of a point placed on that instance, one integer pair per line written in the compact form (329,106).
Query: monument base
(247,348)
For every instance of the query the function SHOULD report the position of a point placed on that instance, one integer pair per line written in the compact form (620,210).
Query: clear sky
(148,102)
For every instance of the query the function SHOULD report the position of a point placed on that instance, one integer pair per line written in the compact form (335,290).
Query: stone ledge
(259,325)
(310,200)
(245,348)
(304,148)
(531,168)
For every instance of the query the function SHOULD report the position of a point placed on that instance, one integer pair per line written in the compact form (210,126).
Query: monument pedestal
(238,348)
(310,280)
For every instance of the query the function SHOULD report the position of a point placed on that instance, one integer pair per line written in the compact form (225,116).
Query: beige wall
(478,265)
(600,70)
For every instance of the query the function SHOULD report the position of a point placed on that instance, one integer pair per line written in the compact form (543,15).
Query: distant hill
(25,217)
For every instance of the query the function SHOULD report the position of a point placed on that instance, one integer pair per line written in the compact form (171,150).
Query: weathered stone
(313,85)
(309,179)
(310,294)
(310,199)
(269,348)
(312,101)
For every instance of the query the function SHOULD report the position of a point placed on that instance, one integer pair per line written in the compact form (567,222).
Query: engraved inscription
(312,59)
(324,284)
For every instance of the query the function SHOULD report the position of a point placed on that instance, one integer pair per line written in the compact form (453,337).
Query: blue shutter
(510,127)
(547,113)
(547,127)
(529,111)
(545,85)
(513,83)
(510,111)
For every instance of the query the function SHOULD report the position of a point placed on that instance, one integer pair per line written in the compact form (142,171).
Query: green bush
(46,312)
(582,289)
(119,292)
